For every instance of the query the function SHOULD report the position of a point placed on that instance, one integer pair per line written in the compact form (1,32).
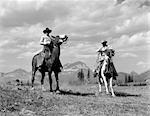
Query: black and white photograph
(74,57)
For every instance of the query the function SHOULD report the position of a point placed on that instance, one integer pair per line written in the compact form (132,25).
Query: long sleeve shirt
(45,40)
(101,53)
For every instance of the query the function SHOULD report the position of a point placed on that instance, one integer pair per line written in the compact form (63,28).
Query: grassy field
(75,101)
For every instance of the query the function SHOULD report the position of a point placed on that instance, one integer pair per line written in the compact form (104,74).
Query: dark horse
(51,62)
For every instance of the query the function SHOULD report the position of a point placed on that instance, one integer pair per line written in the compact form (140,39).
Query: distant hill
(75,66)
(70,74)
(121,77)
(135,76)
(20,74)
(71,70)
(1,74)
(143,76)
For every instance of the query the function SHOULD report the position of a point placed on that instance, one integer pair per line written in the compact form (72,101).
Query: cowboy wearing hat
(101,51)
(102,55)
(47,41)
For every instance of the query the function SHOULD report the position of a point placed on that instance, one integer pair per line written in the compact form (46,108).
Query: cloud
(16,14)
(119,1)
(143,64)
(131,55)
(9,51)
(2,61)
(80,50)
(139,41)
(30,46)
(25,55)
(86,22)
(145,3)
(24,33)
(3,42)
(134,25)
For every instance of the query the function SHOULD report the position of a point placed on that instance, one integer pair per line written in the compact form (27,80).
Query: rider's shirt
(45,40)
(101,53)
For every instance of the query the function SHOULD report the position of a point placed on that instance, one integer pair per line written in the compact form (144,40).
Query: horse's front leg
(99,84)
(111,86)
(42,81)
(50,81)
(57,82)
(105,81)
(33,76)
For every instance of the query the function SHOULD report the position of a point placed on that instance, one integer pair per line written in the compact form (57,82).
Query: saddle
(45,54)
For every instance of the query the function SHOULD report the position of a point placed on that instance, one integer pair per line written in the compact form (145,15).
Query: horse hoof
(32,88)
(113,95)
(107,93)
(57,91)
(51,91)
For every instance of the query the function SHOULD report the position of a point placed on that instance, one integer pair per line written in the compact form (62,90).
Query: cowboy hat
(47,30)
(103,42)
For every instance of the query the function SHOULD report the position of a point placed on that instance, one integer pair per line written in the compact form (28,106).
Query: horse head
(110,52)
(59,39)
(63,38)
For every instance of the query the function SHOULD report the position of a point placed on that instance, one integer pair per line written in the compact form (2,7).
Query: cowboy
(102,55)
(47,41)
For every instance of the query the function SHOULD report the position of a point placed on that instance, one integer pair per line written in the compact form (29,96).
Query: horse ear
(66,36)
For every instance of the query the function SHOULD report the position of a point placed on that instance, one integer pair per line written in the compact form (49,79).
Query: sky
(124,24)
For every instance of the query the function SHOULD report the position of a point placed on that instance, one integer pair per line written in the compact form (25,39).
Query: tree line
(82,77)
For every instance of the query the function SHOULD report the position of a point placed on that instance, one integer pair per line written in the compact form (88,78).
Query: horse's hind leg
(111,86)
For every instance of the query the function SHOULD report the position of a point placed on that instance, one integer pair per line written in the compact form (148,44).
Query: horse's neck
(50,47)
(56,51)
(106,60)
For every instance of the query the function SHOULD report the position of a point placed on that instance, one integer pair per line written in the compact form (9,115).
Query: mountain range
(70,74)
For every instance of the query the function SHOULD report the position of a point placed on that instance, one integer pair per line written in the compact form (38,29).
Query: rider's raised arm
(52,37)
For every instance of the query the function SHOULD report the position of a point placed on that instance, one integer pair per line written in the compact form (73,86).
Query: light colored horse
(104,75)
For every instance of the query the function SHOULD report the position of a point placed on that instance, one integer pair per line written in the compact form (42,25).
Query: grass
(75,101)
(133,84)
